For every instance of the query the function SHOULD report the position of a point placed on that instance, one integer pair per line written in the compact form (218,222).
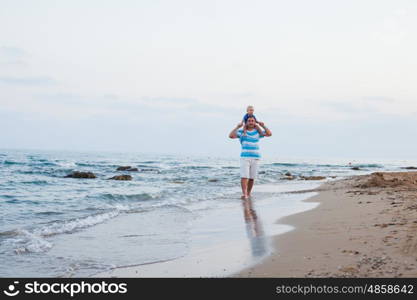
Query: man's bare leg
(244,185)
(250,186)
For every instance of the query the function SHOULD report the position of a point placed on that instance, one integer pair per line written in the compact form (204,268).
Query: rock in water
(313,177)
(127,168)
(123,168)
(77,174)
(121,177)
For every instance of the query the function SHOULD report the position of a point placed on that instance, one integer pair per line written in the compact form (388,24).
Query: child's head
(250,110)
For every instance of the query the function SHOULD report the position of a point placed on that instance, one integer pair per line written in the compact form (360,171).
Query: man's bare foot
(244,197)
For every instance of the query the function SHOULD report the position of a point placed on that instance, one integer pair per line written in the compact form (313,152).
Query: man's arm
(233,133)
(267,131)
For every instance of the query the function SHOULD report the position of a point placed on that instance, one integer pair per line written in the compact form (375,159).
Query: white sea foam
(30,242)
(66,164)
(36,242)
(76,224)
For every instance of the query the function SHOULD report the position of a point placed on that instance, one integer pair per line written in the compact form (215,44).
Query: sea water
(175,208)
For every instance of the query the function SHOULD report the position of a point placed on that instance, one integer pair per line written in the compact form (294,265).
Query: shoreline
(225,240)
(364,226)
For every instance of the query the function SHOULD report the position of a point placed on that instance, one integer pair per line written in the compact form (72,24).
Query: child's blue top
(245,117)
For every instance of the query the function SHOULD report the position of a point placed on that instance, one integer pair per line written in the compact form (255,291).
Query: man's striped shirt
(249,143)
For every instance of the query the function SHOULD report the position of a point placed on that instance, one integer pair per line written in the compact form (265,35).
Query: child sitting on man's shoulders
(249,113)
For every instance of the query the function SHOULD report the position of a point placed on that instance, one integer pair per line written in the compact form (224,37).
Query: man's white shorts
(248,167)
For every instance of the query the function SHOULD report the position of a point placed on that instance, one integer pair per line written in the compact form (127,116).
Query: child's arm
(260,130)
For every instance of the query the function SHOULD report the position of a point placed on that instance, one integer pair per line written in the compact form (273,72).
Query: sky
(329,78)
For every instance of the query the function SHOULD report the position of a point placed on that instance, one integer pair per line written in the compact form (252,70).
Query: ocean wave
(87,164)
(9,233)
(69,226)
(151,170)
(54,163)
(11,162)
(23,241)
(45,164)
(30,242)
(28,172)
(125,208)
(305,165)
(144,166)
(49,213)
(34,240)
(38,162)
(286,164)
(324,165)
(36,182)
(12,201)
(327,166)
(367,165)
(66,164)
(124,197)
(50,172)
(196,167)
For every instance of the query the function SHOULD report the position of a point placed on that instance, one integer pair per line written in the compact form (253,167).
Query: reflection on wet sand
(254,229)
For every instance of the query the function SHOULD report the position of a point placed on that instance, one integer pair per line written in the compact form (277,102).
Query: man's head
(250,123)
(250,110)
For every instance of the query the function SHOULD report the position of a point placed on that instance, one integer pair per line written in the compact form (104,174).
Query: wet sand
(225,239)
(364,226)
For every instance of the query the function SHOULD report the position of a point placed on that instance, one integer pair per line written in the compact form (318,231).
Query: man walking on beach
(249,157)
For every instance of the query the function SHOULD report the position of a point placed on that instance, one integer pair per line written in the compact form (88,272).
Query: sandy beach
(364,226)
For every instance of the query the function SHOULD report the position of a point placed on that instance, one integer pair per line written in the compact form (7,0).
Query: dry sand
(365,226)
